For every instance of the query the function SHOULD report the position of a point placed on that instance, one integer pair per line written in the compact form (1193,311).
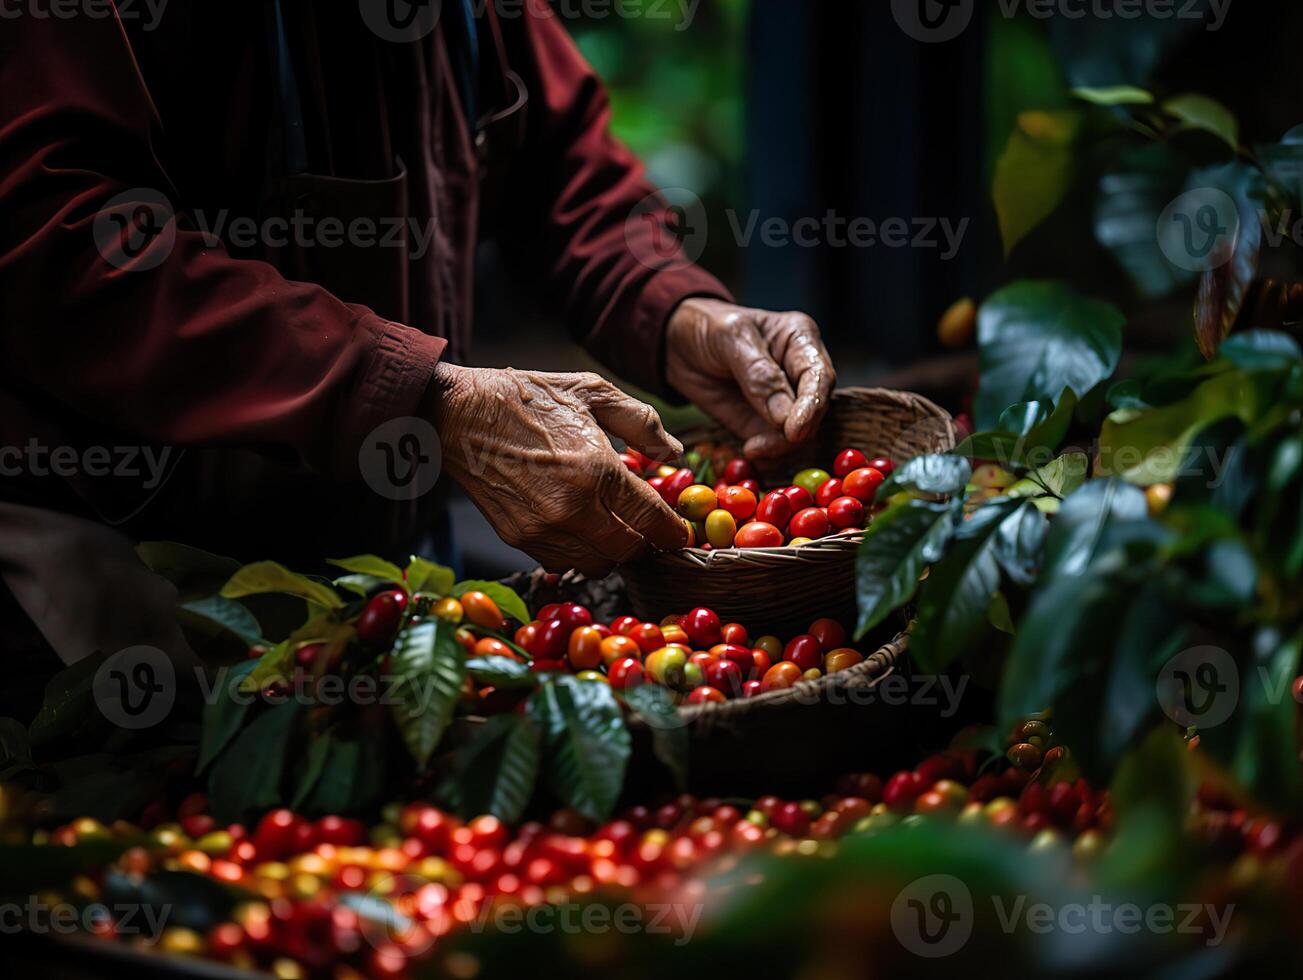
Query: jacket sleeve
(182,344)
(586,220)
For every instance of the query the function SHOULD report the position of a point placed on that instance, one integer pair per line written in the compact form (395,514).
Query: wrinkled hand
(531,450)
(766,376)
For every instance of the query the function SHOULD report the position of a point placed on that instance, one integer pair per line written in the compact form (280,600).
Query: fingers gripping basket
(781,590)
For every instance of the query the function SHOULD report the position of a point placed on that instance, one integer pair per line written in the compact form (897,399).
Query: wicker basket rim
(869,673)
(834,543)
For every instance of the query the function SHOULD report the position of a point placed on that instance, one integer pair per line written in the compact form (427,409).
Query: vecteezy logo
(1197,231)
(135,229)
(400,21)
(932,21)
(395,913)
(401,459)
(1200,687)
(933,916)
(667,230)
(136,687)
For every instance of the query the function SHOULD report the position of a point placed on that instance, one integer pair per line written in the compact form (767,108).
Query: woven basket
(792,742)
(818,729)
(780,590)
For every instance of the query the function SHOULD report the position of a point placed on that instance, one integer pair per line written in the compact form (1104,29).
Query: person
(241,243)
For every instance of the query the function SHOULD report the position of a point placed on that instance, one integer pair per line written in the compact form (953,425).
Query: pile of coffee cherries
(312,888)
(695,656)
(734,512)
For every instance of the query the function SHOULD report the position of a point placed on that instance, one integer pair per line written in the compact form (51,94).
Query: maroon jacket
(267,363)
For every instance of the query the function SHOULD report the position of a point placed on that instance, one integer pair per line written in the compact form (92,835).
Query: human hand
(531,450)
(766,376)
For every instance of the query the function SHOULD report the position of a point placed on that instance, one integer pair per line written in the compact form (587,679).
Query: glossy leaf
(1081,529)
(501,672)
(1019,542)
(246,779)
(224,713)
(1146,447)
(1194,111)
(1114,95)
(588,745)
(229,615)
(1037,338)
(900,543)
(1032,448)
(1259,349)
(371,565)
(939,475)
(430,668)
(1035,172)
(426,576)
(360,584)
(68,707)
(352,778)
(953,602)
(496,771)
(269,577)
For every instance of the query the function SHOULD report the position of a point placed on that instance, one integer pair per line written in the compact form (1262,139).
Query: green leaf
(1199,112)
(228,615)
(954,600)
(361,584)
(69,705)
(1018,419)
(501,672)
(1264,758)
(1148,635)
(1055,654)
(193,571)
(275,665)
(314,764)
(15,750)
(587,741)
(426,576)
(1060,477)
(1156,777)
(508,602)
(1261,349)
(496,771)
(267,576)
(1114,95)
(898,545)
(1035,172)
(934,474)
(247,777)
(1017,452)
(430,667)
(224,713)
(1019,542)
(669,731)
(353,776)
(1081,529)
(998,614)
(1148,447)
(1037,338)
(371,565)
